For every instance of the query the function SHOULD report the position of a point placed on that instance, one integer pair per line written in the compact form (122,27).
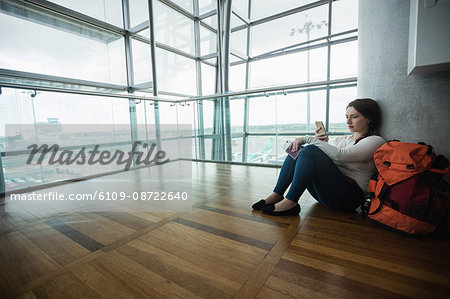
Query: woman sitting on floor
(336,175)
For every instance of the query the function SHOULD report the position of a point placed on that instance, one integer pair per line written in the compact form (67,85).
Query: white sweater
(354,160)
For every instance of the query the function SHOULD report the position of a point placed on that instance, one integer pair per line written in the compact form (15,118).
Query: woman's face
(356,122)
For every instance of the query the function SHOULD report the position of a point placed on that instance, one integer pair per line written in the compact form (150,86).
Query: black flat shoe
(269,210)
(259,205)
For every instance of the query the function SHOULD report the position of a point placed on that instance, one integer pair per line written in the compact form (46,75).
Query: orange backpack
(407,193)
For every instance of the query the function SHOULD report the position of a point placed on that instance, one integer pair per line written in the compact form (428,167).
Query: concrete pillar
(415,108)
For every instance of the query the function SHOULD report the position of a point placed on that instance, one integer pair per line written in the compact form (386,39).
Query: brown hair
(370,110)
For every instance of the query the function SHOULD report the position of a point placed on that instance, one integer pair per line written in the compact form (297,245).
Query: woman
(335,175)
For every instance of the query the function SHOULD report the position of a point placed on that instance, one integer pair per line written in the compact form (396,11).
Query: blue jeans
(315,171)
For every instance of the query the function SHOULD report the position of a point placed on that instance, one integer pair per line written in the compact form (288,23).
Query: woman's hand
(295,145)
(323,136)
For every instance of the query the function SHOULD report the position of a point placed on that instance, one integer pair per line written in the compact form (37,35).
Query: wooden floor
(218,249)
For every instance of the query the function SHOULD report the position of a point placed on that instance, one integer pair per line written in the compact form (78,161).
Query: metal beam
(327,103)
(139,27)
(271,89)
(83,92)
(209,56)
(37,9)
(207,14)
(240,27)
(152,49)
(199,104)
(143,86)
(217,152)
(11,76)
(245,127)
(324,38)
(307,48)
(186,99)
(130,72)
(226,72)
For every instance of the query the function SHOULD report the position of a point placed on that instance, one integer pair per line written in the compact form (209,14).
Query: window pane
(234,58)
(176,73)
(185,115)
(208,116)
(339,99)
(345,16)
(208,79)
(195,148)
(208,149)
(145,33)
(261,9)
(261,149)
(174,29)
(262,114)
(145,115)
(290,69)
(167,113)
(237,115)
(292,111)
(236,147)
(241,6)
(237,77)
(238,41)
(208,41)
(211,21)
(142,66)
(107,11)
(206,5)
(61,47)
(138,12)
(344,60)
(185,4)
(290,30)
(235,21)
(60,108)
(69,108)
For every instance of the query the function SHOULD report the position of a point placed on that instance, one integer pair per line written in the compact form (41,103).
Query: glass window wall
(107,11)
(238,42)
(142,63)
(205,6)
(32,42)
(339,98)
(138,12)
(300,67)
(175,73)
(174,29)
(344,60)
(289,30)
(208,41)
(345,16)
(289,45)
(208,78)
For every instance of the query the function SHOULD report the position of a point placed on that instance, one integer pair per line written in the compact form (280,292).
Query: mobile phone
(321,127)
